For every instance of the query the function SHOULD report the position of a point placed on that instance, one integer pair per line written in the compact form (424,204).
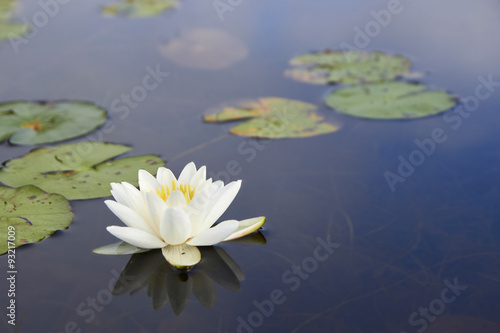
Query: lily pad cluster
(77,170)
(46,178)
(8,28)
(273,118)
(375,91)
(139,8)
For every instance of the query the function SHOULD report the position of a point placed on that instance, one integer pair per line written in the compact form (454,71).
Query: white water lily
(177,215)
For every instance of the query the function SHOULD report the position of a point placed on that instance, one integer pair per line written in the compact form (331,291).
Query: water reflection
(165,283)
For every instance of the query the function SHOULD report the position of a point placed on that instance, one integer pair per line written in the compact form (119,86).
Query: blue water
(395,251)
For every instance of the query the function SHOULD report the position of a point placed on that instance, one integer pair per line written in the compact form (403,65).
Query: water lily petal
(246,227)
(135,198)
(155,207)
(147,182)
(182,255)
(187,173)
(175,227)
(221,202)
(176,199)
(118,192)
(215,234)
(199,206)
(199,177)
(136,237)
(129,217)
(165,176)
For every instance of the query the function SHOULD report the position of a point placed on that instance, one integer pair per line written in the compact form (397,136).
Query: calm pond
(342,249)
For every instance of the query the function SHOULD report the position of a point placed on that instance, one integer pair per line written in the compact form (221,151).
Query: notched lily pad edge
(26,244)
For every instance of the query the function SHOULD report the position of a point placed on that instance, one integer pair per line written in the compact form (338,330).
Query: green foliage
(139,8)
(347,67)
(33,213)
(390,100)
(28,123)
(10,29)
(274,118)
(78,170)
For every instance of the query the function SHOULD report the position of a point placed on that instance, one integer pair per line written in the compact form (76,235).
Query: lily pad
(209,49)
(347,67)
(139,8)
(29,123)
(274,118)
(390,100)
(31,215)
(10,29)
(78,170)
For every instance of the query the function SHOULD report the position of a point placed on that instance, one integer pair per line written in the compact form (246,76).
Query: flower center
(164,191)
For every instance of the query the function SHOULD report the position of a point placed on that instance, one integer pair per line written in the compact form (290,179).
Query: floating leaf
(274,118)
(139,8)
(119,248)
(28,123)
(347,67)
(77,170)
(10,29)
(211,49)
(33,213)
(390,100)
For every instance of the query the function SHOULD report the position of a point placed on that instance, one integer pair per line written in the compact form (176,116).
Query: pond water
(343,251)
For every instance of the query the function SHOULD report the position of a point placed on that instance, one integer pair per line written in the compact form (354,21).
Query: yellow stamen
(164,191)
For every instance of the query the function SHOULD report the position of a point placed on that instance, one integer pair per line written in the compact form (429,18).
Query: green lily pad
(390,100)
(28,123)
(78,170)
(347,67)
(32,213)
(10,29)
(274,118)
(139,8)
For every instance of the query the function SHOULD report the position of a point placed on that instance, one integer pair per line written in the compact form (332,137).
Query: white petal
(128,216)
(182,255)
(214,235)
(135,198)
(221,202)
(199,177)
(119,194)
(176,199)
(155,207)
(175,227)
(147,182)
(246,227)
(187,173)
(136,237)
(165,176)
(198,208)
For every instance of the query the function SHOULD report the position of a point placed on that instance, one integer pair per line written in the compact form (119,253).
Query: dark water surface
(399,251)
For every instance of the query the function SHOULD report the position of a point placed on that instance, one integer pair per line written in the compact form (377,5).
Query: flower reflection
(165,283)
